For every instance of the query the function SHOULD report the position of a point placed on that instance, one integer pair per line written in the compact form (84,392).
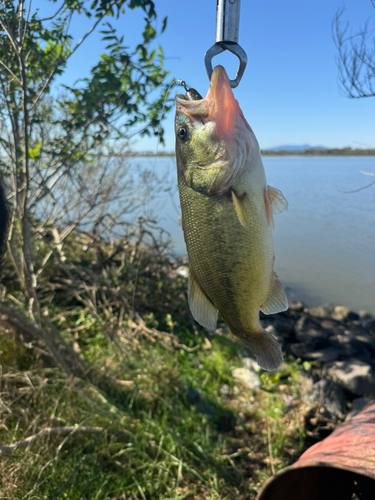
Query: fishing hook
(226,37)
(194,94)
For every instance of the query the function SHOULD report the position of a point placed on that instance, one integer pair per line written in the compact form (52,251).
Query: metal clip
(226,38)
(236,50)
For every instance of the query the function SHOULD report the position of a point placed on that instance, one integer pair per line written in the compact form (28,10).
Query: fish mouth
(193,109)
(186,98)
(219,105)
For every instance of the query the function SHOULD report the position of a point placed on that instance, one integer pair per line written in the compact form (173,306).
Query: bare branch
(7,32)
(55,14)
(26,23)
(356,58)
(10,71)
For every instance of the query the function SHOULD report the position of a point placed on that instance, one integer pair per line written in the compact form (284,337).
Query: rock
(296,306)
(357,405)
(272,330)
(352,347)
(365,315)
(332,326)
(183,271)
(355,376)
(330,306)
(251,364)
(224,390)
(303,350)
(320,312)
(342,313)
(369,325)
(368,341)
(283,325)
(307,329)
(324,356)
(328,395)
(247,377)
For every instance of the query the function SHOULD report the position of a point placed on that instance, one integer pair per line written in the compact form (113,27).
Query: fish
(227,213)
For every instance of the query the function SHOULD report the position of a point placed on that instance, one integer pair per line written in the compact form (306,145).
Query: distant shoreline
(307,152)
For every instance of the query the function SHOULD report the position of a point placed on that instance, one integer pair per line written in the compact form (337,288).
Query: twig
(81,327)
(10,71)
(58,431)
(270,449)
(360,189)
(151,333)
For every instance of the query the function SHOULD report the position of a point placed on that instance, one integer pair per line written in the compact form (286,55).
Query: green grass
(170,434)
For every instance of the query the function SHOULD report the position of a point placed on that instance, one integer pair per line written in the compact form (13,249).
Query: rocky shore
(338,348)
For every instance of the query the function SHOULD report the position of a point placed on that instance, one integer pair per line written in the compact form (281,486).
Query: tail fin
(266,348)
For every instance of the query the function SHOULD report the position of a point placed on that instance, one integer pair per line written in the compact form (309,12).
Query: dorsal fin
(200,305)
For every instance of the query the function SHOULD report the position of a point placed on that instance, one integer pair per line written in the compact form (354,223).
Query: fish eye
(182,133)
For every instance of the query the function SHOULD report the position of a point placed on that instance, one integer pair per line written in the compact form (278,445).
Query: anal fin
(276,300)
(241,208)
(202,309)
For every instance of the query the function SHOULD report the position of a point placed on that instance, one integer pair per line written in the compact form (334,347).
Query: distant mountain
(303,147)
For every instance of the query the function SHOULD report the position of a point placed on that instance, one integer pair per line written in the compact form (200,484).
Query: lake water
(325,242)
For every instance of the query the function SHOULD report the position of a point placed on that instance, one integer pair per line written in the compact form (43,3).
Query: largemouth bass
(227,218)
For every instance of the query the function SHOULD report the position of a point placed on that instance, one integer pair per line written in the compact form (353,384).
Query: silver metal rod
(227,20)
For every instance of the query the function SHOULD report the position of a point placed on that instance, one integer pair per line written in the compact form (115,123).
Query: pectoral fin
(200,305)
(241,208)
(278,200)
(276,300)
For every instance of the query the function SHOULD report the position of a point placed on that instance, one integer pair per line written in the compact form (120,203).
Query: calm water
(325,242)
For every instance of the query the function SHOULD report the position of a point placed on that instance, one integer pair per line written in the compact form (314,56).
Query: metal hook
(236,49)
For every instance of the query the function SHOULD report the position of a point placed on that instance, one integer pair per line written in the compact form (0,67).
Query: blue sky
(289,93)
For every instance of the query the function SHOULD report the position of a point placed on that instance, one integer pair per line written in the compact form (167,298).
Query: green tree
(50,145)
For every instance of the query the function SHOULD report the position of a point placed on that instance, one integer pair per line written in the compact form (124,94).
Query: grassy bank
(156,413)
(165,429)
